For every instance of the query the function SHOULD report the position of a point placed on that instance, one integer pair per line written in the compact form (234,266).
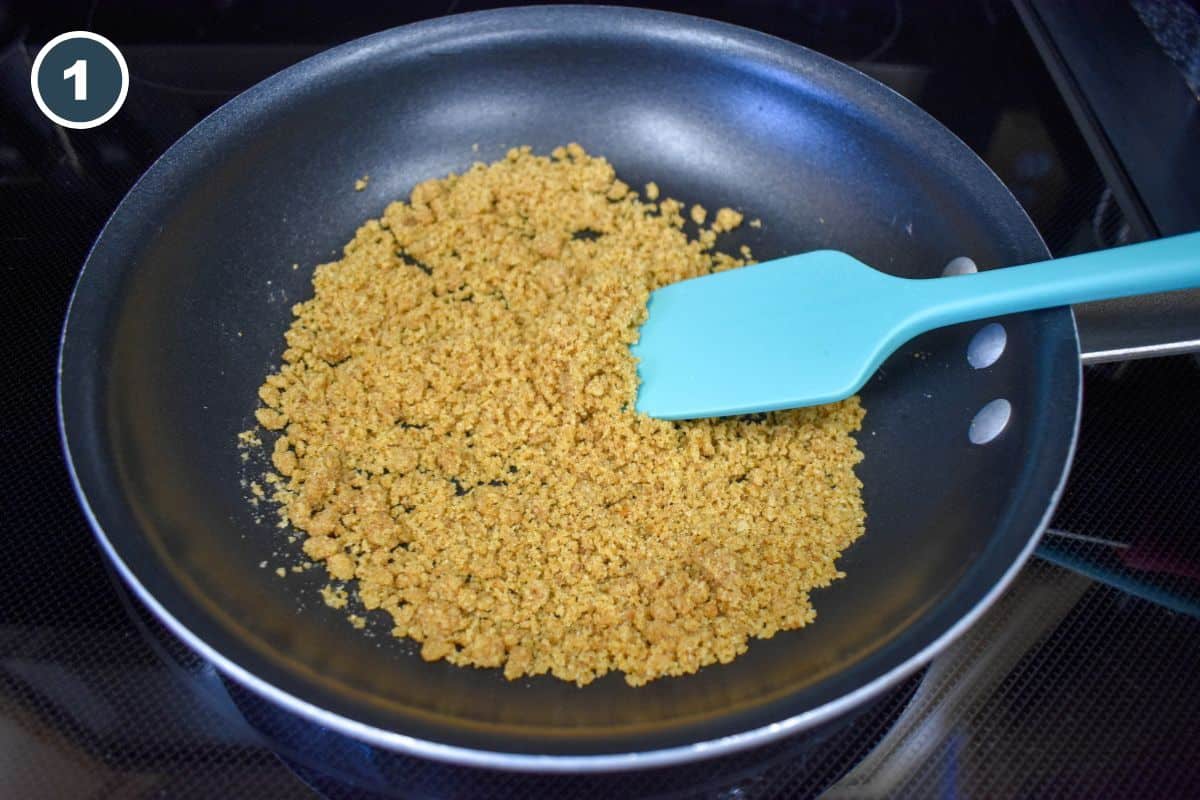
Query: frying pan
(180,310)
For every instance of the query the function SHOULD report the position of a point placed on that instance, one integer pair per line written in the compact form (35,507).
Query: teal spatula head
(801,330)
(812,328)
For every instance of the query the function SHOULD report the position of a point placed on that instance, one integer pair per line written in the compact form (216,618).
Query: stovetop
(1082,680)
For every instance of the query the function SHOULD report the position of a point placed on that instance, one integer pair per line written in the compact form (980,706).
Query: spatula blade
(798,331)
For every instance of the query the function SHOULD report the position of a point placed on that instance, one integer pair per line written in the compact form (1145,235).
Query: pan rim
(557,763)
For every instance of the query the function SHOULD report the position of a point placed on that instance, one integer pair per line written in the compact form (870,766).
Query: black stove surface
(1082,680)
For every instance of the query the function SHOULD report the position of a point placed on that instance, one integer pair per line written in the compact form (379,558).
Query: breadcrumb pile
(457,435)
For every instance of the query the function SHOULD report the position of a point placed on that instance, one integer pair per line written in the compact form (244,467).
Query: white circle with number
(79,80)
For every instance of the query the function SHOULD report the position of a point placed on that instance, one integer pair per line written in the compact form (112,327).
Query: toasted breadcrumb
(333,597)
(456,434)
(249,439)
(726,220)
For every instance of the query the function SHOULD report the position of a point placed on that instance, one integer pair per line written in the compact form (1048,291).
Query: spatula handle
(1158,266)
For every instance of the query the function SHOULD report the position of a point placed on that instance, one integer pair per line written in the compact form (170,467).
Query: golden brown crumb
(456,435)
(698,214)
(756,223)
(333,597)
(280,571)
(357,621)
(726,220)
(249,439)
(651,191)
(361,183)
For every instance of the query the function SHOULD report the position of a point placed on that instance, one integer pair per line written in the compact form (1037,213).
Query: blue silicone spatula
(812,328)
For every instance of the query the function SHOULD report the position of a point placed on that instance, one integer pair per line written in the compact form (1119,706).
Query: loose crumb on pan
(699,214)
(334,597)
(726,220)
(456,434)
(249,438)
(756,223)
(651,191)
(361,183)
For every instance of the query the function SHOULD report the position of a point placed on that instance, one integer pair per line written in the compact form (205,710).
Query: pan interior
(181,310)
